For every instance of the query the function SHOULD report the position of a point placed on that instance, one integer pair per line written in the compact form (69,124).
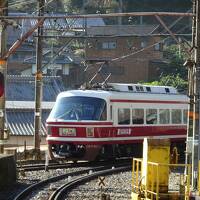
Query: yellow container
(156,151)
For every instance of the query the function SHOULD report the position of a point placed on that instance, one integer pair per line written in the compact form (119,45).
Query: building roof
(122,30)
(59,24)
(60,59)
(22,88)
(80,23)
(21,122)
(28,105)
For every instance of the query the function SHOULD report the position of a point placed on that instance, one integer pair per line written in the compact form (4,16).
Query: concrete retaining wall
(7,170)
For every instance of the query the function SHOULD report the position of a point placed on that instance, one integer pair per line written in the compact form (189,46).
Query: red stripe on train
(79,123)
(103,132)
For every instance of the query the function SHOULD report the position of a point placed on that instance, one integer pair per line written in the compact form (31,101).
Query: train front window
(79,108)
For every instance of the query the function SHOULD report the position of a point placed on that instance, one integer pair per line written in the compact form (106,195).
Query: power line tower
(3,70)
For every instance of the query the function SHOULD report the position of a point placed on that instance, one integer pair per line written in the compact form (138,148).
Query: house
(55,62)
(128,52)
(20,106)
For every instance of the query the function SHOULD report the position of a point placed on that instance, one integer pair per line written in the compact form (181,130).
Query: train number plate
(125,131)
(67,132)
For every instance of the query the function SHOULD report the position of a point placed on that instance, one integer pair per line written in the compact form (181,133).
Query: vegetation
(174,74)
(91,6)
(170,80)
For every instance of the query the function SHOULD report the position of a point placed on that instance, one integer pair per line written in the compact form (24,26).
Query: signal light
(1,84)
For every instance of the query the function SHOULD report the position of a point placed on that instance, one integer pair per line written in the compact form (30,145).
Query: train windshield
(79,108)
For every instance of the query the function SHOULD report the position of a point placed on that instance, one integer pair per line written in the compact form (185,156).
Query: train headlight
(90,132)
(67,131)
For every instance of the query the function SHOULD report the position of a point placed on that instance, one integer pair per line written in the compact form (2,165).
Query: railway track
(96,169)
(36,167)
(60,193)
(56,165)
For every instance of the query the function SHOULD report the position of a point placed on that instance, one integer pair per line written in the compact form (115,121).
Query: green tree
(170,80)
(88,6)
(174,73)
(176,59)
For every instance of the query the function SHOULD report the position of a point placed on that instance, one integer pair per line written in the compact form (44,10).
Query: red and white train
(113,121)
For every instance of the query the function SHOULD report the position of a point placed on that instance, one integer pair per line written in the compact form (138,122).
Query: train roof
(129,87)
(129,91)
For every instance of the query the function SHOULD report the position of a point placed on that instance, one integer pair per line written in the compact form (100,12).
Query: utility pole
(190,143)
(196,93)
(38,82)
(197,88)
(3,71)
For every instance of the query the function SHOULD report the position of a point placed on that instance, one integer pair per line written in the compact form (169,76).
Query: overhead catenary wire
(60,50)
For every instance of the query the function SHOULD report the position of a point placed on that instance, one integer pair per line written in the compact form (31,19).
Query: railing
(152,189)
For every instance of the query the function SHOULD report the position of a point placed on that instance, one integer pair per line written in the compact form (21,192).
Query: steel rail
(51,166)
(55,165)
(129,14)
(25,193)
(61,192)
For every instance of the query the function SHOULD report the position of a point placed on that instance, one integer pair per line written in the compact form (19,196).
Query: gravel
(29,178)
(117,186)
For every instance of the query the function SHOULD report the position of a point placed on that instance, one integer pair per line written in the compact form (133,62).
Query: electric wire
(143,49)
(124,56)
(114,59)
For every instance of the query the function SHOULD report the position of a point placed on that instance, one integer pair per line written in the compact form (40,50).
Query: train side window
(138,116)
(148,89)
(123,116)
(137,88)
(176,116)
(130,88)
(141,88)
(185,116)
(167,90)
(151,116)
(164,115)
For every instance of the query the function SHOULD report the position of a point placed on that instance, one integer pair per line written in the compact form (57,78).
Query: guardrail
(154,189)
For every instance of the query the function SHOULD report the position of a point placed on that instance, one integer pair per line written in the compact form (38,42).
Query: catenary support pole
(196,132)
(189,158)
(38,82)
(3,70)
(197,94)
